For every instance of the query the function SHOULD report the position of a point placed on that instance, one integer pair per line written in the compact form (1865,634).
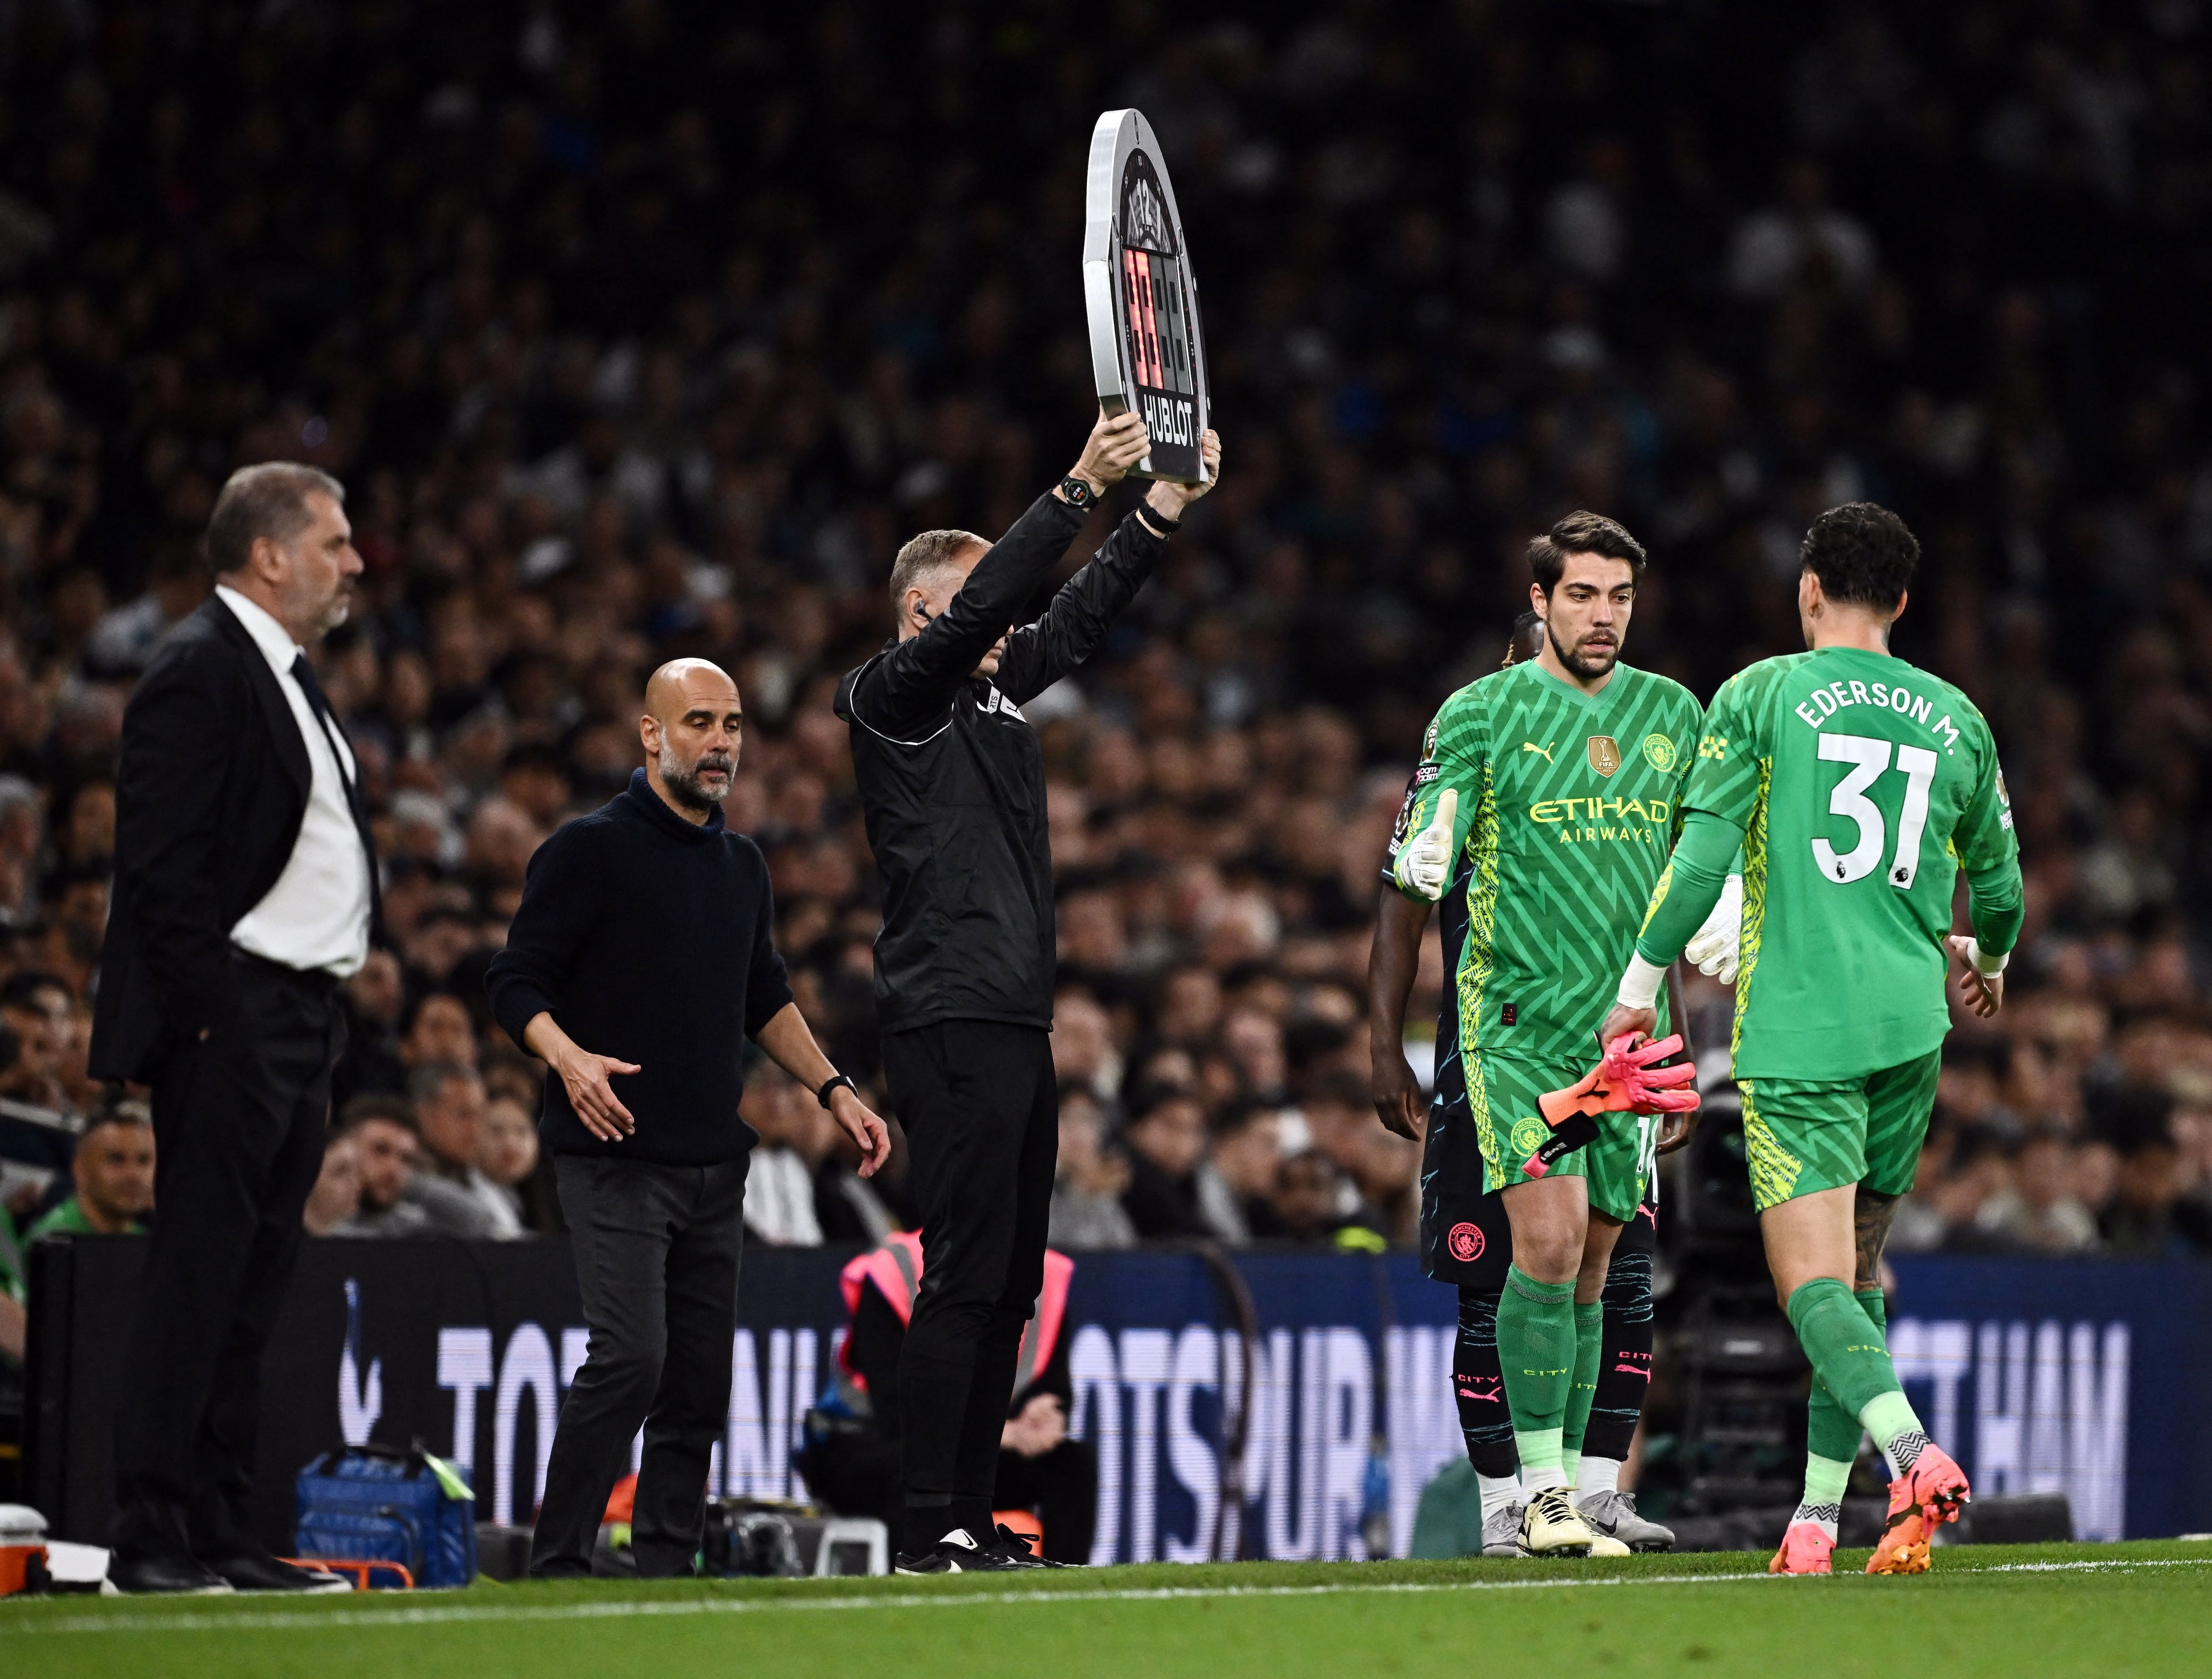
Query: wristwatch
(823,1094)
(1076,493)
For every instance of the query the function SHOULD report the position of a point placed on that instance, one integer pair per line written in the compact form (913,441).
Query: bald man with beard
(638,965)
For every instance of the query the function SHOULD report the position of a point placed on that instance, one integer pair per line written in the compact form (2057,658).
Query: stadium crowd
(635,331)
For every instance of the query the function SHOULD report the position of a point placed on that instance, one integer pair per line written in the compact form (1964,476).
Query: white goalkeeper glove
(1423,864)
(1714,951)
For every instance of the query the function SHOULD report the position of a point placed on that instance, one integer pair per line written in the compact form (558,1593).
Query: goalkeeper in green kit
(1552,788)
(1858,787)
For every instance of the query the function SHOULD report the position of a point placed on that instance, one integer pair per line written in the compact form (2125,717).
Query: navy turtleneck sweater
(646,938)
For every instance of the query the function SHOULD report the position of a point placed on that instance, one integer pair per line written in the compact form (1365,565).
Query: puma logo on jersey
(1544,752)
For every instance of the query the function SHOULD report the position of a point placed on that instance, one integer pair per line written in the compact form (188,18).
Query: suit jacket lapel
(276,709)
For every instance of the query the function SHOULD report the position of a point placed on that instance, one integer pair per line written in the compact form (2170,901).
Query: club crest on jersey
(1604,753)
(1659,752)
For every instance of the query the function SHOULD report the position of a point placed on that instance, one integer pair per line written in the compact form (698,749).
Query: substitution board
(1141,301)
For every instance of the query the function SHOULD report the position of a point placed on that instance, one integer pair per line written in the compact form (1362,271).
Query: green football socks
(1536,1351)
(1589,1337)
(1831,1431)
(1851,1360)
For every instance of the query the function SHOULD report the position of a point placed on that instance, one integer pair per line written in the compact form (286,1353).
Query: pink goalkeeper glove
(1631,1072)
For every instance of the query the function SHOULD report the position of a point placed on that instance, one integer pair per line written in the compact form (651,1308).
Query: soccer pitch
(2044,1611)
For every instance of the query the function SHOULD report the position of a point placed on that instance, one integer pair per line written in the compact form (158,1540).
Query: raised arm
(1039,654)
(919,678)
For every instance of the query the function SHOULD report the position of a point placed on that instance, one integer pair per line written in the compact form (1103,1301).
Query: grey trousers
(657,1250)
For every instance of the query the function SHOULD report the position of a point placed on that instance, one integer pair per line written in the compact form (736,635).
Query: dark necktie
(304,673)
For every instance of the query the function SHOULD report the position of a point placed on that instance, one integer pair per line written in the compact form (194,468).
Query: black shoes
(1006,1552)
(173,1574)
(269,1573)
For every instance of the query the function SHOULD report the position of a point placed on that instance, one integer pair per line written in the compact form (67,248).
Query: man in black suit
(245,891)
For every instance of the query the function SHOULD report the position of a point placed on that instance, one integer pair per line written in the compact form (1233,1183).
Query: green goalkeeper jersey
(1863,786)
(1568,806)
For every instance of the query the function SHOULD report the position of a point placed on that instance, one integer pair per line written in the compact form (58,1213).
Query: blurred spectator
(1341,1123)
(381,1127)
(336,1196)
(439,1030)
(780,1182)
(113,1170)
(2039,1212)
(510,1157)
(801,1188)
(1090,1178)
(1083,1050)
(1307,1193)
(1167,1141)
(448,1184)
(1239,1173)
(2148,1218)
(374,1000)
(38,1011)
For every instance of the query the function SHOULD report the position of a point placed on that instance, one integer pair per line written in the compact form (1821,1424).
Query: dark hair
(923,554)
(413,1011)
(1243,1114)
(1149,1098)
(1344,1088)
(1581,533)
(1862,554)
(21,990)
(429,1082)
(267,500)
(113,1109)
(1526,627)
(385,1105)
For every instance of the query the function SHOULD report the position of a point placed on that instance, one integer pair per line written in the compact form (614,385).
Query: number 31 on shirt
(1870,759)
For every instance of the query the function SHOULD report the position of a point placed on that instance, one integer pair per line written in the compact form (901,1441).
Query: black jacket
(951,779)
(209,790)
(646,938)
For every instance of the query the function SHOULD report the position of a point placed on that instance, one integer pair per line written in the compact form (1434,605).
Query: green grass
(2026,1612)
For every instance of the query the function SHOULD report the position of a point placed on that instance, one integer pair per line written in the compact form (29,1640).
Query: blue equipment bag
(378,1504)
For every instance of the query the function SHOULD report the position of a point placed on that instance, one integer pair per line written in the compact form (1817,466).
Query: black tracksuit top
(951,779)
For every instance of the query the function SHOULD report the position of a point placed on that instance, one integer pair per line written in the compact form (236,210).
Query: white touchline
(448,1613)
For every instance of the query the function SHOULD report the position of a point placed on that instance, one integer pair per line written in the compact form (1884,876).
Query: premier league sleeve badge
(1141,299)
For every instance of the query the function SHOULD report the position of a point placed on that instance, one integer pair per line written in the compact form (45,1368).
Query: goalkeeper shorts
(1804,1135)
(1502,1095)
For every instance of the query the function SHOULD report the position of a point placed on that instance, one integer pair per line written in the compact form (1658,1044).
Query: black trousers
(981,1113)
(238,1131)
(657,1251)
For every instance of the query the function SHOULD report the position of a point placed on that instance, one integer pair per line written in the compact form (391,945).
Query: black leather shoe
(269,1573)
(164,1573)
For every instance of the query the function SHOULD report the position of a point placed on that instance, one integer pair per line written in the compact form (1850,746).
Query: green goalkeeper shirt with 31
(1864,786)
(1568,804)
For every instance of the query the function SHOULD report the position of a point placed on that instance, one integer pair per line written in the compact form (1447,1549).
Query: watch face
(1146,347)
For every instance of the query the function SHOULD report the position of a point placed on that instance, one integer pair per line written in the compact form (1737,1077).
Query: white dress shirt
(317,915)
